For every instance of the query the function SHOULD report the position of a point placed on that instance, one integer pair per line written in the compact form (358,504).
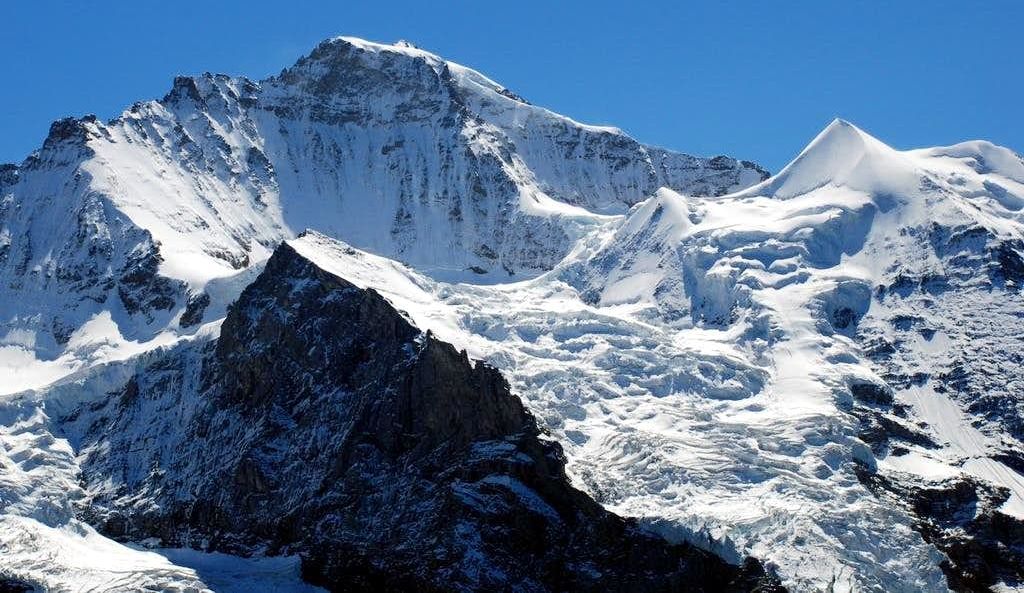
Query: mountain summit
(841,155)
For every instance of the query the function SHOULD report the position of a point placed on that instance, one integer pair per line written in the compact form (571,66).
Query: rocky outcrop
(15,586)
(960,517)
(195,308)
(140,286)
(323,423)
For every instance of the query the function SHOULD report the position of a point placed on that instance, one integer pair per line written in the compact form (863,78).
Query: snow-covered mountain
(820,369)
(871,297)
(388,147)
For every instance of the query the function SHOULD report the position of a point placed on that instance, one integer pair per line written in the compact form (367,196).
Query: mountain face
(820,369)
(894,277)
(886,283)
(322,423)
(390,147)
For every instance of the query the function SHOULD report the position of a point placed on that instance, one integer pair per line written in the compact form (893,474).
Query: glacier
(820,369)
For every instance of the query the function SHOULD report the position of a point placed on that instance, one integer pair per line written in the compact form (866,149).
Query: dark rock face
(140,287)
(326,425)
(1009,256)
(872,394)
(982,545)
(8,174)
(195,307)
(70,130)
(15,586)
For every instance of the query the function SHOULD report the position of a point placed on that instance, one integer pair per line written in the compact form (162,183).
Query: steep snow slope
(389,147)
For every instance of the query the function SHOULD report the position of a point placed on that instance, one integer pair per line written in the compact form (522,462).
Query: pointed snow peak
(839,133)
(843,141)
(841,155)
(839,145)
(664,216)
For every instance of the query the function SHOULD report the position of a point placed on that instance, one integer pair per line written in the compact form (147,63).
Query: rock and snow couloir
(820,369)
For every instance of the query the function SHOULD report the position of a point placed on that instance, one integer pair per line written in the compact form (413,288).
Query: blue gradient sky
(756,80)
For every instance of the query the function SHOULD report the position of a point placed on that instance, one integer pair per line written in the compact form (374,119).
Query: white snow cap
(841,155)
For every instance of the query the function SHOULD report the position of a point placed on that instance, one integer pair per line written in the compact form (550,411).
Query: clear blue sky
(755,79)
